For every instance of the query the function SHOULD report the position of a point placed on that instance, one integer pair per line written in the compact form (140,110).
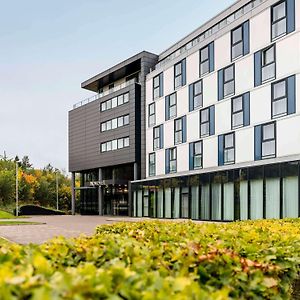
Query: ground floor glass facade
(260,192)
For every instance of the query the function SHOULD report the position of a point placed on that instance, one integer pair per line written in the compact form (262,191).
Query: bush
(158,260)
(28,210)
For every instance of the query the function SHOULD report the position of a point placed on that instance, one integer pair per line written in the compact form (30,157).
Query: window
(229,151)
(204,61)
(157,137)
(196,155)
(152,164)
(115,123)
(195,95)
(268,144)
(114,102)
(228,85)
(240,111)
(279,20)
(268,64)
(114,144)
(151,112)
(171,106)
(158,86)
(279,98)
(178,130)
(204,122)
(180,74)
(173,160)
(237,43)
(207,59)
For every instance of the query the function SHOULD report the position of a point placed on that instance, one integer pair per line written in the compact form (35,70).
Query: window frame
(201,62)
(110,121)
(237,112)
(268,140)
(178,75)
(285,80)
(176,131)
(114,145)
(279,20)
(236,43)
(268,64)
(153,164)
(151,115)
(171,106)
(228,81)
(156,87)
(199,94)
(198,155)
(173,160)
(156,138)
(206,122)
(108,104)
(229,148)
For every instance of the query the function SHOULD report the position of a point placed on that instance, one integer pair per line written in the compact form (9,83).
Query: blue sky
(49,47)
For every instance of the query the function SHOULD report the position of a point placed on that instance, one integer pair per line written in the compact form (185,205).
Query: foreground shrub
(158,260)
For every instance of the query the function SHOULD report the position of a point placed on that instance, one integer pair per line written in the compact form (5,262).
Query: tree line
(36,186)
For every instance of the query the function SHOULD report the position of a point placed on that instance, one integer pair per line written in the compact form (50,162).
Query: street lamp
(17,188)
(56,177)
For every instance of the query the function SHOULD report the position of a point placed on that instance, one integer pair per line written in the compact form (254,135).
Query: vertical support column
(73,192)
(100,194)
(135,171)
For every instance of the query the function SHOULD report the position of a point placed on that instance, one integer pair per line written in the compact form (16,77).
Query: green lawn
(6,215)
(9,223)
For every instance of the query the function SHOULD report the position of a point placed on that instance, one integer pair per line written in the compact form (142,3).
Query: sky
(47,48)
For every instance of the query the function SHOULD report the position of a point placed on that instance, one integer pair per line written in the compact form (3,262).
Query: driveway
(67,226)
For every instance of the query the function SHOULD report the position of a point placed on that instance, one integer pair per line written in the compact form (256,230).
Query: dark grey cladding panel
(85,136)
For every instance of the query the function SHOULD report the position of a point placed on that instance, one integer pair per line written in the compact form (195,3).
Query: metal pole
(17,190)
(56,191)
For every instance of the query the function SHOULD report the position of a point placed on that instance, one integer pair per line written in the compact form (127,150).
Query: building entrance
(115,200)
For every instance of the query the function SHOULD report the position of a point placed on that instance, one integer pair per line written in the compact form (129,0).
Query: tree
(25,163)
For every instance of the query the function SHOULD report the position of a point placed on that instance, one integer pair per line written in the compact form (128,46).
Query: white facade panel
(160,111)
(244,145)
(288,55)
(260,105)
(244,70)
(182,101)
(222,51)
(169,81)
(193,131)
(192,66)
(149,91)
(210,91)
(210,152)
(169,134)
(160,162)
(182,157)
(260,32)
(288,136)
(223,117)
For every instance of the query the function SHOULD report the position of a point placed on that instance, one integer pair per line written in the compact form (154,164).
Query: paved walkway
(68,226)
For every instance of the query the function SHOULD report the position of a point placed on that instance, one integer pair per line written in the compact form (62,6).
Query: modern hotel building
(223,119)
(210,129)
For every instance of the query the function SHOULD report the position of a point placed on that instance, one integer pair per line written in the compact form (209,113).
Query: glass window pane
(108,104)
(204,54)
(195,202)
(108,146)
(172,99)
(184,205)
(290,197)
(204,115)
(114,102)
(156,93)
(268,72)
(228,140)
(120,143)
(237,119)
(268,56)
(103,147)
(205,207)
(198,101)
(156,81)
(280,107)
(237,50)
(268,131)
(172,111)
(237,35)
(108,125)
(204,67)
(126,120)
(120,121)
(178,69)
(126,97)
(229,155)
(244,200)
(228,88)
(120,100)
(204,129)
(178,81)
(114,123)
(168,206)
(178,124)
(114,145)
(160,203)
(272,198)
(103,106)
(268,148)
(176,208)
(197,87)
(229,201)
(279,89)
(228,73)
(103,127)
(256,201)
(279,11)
(197,148)
(216,201)
(152,109)
(126,142)
(197,161)
(279,28)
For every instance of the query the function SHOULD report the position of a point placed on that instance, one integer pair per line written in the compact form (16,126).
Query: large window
(180,74)
(229,148)
(268,64)
(152,164)
(114,102)
(173,160)
(279,98)
(114,144)
(207,59)
(196,95)
(240,109)
(171,106)
(156,138)
(180,130)
(268,143)
(158,86)
(151,114)
(279,18)
(237,42)
(226,82)
(196,159)
(115,123)
(207,121)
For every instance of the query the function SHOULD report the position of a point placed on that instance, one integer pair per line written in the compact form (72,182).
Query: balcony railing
(105,93)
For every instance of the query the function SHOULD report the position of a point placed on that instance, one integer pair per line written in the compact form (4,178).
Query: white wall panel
(169,81)
(149,91)
(210,152)
(260,105)
(222,51)
(192,67)
(244,70)
(210,89)
(169,134)
(160,162)
(193,131)
(223,117)
(160,110)
(182,157)
(182,101)
(244,143)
